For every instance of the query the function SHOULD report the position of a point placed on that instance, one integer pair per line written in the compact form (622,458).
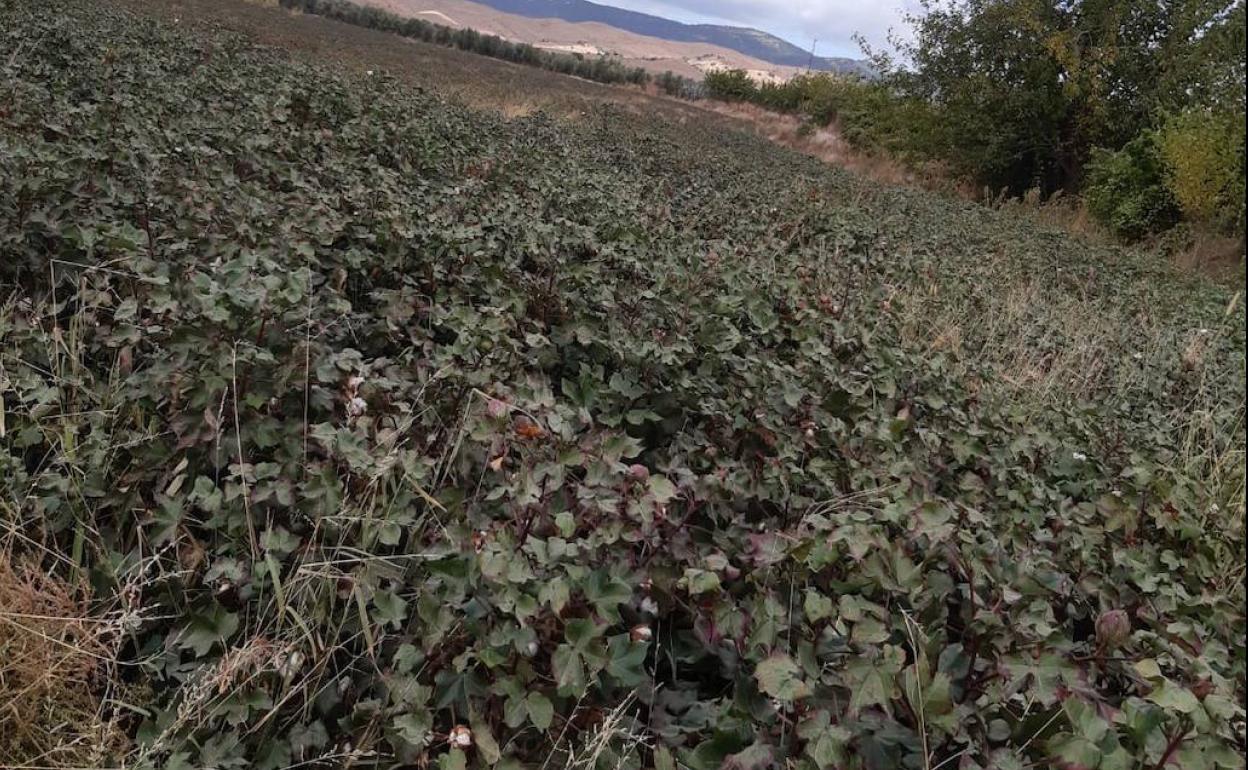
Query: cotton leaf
(779,677)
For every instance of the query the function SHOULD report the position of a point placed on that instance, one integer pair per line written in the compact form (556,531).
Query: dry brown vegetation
(827,144)
(475,80)
(1192,249)
(1212,254)
(57,664)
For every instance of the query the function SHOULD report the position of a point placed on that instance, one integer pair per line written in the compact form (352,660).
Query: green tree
(731,85)
(1204,159)
(1026,89)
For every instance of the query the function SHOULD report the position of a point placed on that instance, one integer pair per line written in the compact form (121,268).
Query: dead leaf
(527,428)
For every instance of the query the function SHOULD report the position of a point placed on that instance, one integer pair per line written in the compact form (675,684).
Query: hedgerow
(405,434)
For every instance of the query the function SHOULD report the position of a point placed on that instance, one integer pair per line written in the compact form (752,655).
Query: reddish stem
(1176,740)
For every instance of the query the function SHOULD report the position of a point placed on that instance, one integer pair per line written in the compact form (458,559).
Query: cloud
(833,22)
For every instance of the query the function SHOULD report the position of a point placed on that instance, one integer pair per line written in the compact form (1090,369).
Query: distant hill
(691,59)
(751,42)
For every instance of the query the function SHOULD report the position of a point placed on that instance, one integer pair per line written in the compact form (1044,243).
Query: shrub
(1203,153)
(681,87)
(1126,190)
(731,85)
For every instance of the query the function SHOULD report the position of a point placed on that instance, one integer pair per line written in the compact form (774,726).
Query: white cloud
(833,22)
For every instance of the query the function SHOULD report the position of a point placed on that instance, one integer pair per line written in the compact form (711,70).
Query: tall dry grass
(1048,348)
(827,144)
(59,677)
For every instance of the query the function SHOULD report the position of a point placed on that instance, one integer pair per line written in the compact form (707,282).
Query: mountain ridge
(746,40)
(654,54)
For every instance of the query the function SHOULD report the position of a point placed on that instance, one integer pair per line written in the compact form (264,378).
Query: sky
(833,22)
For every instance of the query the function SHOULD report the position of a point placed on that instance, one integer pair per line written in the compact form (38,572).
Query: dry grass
(827,144)
(613,742)
(1069,214)
(519,108)
(475,80)
(1212,254)
(57,667)
(1046,347)
(1192,249)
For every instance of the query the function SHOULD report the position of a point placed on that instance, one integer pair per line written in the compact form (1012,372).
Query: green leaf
(581,632)
(699,581)
(606,594)
(1046,674)
(710,753)
(541,712)
(663,759)
(413,727)
(871,681)
(817,606)
(779,677)
(389,608)
(828,747)
(208,628)
(566,523)
(484,741)
(625,659)
(455,759)
(870,631)
(662,489)
(1175,698)
(756,756)
(555,594)
(1077,751)
(407,657)
(620,446)
(1148,668)
(569,669)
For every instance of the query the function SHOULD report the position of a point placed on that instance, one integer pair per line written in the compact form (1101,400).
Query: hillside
(345,424)
(689,59)
(751,42)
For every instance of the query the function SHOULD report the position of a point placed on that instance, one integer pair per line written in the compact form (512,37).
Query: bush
(1203,154)
(681,87)
(1126,190)
(731,85)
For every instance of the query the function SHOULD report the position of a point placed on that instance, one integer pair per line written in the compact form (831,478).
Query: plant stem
(1176,740)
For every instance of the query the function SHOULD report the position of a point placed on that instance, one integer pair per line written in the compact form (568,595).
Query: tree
(730,85)
(1027,88)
